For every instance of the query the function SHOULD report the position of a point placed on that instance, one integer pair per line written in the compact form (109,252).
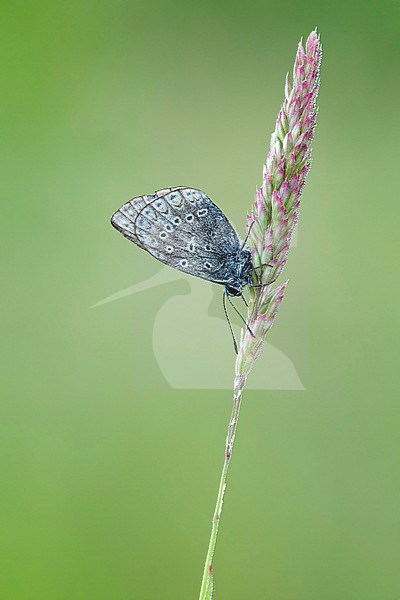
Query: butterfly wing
(182,228)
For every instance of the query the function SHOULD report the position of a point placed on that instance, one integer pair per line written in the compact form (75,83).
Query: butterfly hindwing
(182,228)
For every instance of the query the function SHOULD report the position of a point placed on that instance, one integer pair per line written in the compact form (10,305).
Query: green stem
(207,581)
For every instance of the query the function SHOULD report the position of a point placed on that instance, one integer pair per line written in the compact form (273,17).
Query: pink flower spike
(276,205)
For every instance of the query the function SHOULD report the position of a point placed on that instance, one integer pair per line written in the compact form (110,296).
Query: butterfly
(184,229)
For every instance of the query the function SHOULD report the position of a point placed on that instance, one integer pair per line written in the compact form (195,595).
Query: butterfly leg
(261,285)
(264,265)
(243,319)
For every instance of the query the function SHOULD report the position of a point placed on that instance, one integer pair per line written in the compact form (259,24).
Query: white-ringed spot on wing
(189,218)
(169,249)
(191,246)
(169,227)
(183,262)
(202,212)
(207,247)
(163,235)
(177,220)
(207,265)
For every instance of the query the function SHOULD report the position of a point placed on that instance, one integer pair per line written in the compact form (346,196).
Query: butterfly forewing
(182,228)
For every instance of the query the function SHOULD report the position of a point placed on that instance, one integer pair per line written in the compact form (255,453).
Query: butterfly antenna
(243,319)
(229,322)
(247,236)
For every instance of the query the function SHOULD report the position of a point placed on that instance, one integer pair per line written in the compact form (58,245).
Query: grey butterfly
(183,228)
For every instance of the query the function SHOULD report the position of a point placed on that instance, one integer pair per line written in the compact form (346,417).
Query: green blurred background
(109,474)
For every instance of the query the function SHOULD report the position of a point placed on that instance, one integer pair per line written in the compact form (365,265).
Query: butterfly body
(184,229)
